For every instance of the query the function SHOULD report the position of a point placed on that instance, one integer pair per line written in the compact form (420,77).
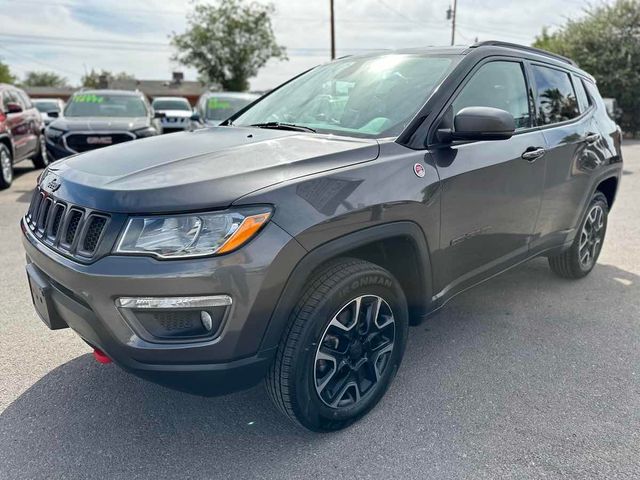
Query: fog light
(175,318)
(206,320)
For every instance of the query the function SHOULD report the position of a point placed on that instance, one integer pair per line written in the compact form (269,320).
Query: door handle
(592,138)
(531,154)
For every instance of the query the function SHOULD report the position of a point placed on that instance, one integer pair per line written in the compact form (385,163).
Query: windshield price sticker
(88,98)
(215,104)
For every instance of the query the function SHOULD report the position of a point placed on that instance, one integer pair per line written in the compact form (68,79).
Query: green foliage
(92,79)
(44,79)
(228,43)
(5,74)
(606,43)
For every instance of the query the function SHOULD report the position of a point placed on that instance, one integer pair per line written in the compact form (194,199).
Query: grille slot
(72,226)
(71,230)
(93,233)
(58,212)
(43,214)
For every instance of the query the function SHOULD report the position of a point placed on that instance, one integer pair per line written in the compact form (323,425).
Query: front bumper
(85,297)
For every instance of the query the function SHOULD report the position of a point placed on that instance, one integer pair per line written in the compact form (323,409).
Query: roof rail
(497,43)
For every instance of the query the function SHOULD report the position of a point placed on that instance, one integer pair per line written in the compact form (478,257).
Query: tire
(6,167)
(332,367)
(41,159)
(583,254)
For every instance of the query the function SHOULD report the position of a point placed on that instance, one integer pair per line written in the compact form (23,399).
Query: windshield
(171,105)
(367,97)
(221,107)
(45,107)
(94,105)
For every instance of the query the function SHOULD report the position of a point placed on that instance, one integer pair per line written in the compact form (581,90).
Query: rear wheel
(342,348)
(6,167)
(580,259)
(41,160)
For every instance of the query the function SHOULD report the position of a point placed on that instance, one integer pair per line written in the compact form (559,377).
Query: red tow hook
(100,356)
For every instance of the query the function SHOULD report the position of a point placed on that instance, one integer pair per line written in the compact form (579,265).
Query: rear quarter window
(556,98)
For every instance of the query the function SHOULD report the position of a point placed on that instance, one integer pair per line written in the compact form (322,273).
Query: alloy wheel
(354,351)
(5,166)
(591,237)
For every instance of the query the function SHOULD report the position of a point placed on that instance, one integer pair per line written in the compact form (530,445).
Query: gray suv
(297,241)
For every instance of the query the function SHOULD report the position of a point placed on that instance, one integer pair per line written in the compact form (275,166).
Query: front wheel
(41,160)
(342,347)
(581,257)
(6,167)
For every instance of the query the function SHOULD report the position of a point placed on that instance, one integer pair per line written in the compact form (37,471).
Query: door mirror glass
(53,114)
(480,123)
(13,107)
(159,115)
(195,117)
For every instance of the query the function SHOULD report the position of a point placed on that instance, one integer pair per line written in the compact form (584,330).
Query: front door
(491,190)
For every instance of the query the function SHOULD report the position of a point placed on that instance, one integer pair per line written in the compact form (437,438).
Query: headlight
(145,132)
(53,134)
(192,235)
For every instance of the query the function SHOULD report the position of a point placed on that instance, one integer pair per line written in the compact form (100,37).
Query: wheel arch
(608,187)
(400,247)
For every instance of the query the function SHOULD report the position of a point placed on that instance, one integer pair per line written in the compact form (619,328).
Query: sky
(70,37)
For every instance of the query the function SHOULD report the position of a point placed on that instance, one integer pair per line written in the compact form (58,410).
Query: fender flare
(315,258)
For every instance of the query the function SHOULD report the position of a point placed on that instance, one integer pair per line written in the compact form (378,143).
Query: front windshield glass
(45,107)
(367,97)
(171,105)
(105,105)
(220,107)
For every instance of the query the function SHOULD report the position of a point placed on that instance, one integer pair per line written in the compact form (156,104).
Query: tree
(44,79)
(92,79)
(606,43)
(228,43)
(5,74)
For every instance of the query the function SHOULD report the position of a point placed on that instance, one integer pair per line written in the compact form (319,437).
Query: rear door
(573,143)
(490,193)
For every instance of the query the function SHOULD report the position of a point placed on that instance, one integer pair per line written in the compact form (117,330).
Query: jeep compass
(297,241)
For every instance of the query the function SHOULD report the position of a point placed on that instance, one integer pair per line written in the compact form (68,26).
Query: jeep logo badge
(53,184)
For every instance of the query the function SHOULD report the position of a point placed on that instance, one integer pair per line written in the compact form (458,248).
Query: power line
(31,59)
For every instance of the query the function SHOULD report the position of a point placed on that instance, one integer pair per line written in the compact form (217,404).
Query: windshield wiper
(284,126)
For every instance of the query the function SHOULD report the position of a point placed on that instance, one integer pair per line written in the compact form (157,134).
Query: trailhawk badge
(419,170)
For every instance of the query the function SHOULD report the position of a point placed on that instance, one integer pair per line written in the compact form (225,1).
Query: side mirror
(13,107)
(159,115)
(195,117)
(479,123)
(53,114)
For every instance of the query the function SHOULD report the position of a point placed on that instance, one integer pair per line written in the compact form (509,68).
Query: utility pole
(333,32)
(451,15)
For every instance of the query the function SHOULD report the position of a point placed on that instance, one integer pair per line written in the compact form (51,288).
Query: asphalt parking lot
(526,376)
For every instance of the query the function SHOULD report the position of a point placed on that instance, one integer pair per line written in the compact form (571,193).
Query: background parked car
(215,107)
(21,133)
(99,118)
(177,113)
(49,108)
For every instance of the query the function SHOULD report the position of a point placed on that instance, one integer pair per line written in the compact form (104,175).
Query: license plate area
(41,292)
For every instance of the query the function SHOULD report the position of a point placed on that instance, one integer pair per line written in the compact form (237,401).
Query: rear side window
(26,101)
(556,99)
(583,99)
(499,85)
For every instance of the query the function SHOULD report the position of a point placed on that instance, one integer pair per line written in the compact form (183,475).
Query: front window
(367,97)
(105,105)
(45,107)
(220,108)
(171,105)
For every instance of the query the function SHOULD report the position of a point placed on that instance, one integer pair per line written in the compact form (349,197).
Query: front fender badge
(419,170)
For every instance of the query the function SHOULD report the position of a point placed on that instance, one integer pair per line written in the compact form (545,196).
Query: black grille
(93,233)
(81,142)
(72,230)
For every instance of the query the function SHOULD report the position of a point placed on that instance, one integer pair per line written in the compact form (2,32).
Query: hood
(176,113)
(100,124)
(208,168)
